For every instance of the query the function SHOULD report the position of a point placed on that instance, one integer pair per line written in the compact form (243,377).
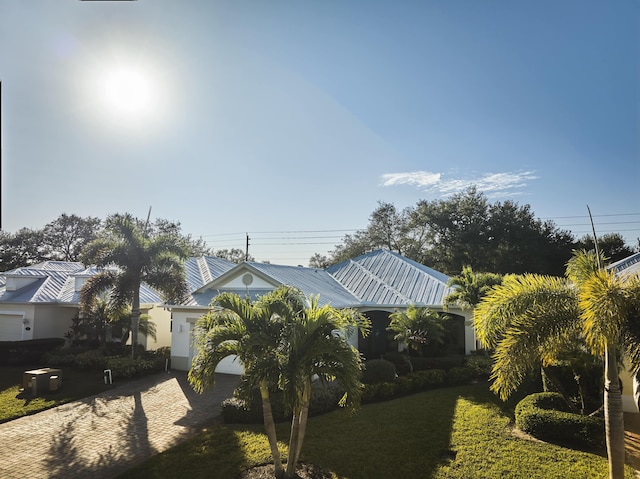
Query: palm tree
(530,318)
(284,340)
(315,346)
(251,332)
(416,327)
(128,256)
(470,287)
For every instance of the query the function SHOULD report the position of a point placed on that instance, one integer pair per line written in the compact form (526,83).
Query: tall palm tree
(128,255)
(316,346)
(250,331)
(528,318)
(284,340)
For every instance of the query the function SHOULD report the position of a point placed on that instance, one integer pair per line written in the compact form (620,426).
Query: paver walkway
(104,435)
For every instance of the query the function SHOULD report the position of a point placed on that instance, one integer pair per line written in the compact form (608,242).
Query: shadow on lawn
(407,437)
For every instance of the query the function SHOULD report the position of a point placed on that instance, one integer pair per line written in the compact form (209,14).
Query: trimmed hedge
(121,366)
(324,398)
(378,371)
(28,351)
(546,417)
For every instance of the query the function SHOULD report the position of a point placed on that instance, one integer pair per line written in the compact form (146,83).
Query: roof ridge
(380,282)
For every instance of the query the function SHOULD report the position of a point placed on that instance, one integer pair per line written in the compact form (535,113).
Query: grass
(76,384)
(461,432)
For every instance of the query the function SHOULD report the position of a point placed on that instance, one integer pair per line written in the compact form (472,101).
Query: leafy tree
(235,255)
(128,255)
(612,246)
(464,229)
(283,341)
(417,328)
(533,318)
(319,261)
(23,248)
(64,238)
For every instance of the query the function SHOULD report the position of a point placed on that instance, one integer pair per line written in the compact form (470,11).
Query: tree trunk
(270,428)
(304,414)
(135,320)
(557,385)
(613,416)
(293,443)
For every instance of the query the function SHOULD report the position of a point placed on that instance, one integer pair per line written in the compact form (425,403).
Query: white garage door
(10,327)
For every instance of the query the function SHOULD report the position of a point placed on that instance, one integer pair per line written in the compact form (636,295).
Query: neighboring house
(39,301)
(376,284)
(626,268)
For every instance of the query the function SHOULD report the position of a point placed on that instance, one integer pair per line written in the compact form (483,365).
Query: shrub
(400,361)
(481,365)
(459,375)
(28,351)
(246,407)
(443,362)
(545,416)
(428,379)
(378,371)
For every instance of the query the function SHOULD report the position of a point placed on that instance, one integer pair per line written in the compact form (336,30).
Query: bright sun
(127,92)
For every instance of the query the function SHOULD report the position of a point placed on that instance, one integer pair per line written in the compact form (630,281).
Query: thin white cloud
(492,184)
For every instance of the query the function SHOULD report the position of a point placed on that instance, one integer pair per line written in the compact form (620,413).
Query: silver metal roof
(379,278)
(383,277)
(627,266)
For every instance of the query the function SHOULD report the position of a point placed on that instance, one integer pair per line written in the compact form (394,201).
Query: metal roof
(383,277)
(378,278)
(627,266)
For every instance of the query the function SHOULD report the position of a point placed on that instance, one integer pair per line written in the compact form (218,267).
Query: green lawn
(461,432)
(76,385)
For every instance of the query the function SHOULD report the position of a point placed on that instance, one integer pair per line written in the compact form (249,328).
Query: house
(376,284)
(39,301)
(625,268)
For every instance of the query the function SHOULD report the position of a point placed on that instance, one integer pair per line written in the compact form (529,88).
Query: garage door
(10,327)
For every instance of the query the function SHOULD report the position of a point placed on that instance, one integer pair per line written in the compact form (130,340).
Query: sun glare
(128,92)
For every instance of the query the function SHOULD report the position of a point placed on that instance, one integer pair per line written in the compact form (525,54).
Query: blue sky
(290,120)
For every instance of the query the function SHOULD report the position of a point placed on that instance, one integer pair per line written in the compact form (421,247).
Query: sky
(288,121)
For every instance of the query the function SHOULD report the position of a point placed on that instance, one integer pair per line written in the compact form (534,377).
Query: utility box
(54,383)
(40,380)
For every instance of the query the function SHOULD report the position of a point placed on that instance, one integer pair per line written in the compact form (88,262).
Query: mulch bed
(303,471)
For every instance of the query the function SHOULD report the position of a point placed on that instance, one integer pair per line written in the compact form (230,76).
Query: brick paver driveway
(104,435)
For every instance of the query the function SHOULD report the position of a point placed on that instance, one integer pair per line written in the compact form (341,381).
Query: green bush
(378,371)
(459,375)
(428,379)
(28,351)
(400,361)
(246,408)
(546,417)
(480,364)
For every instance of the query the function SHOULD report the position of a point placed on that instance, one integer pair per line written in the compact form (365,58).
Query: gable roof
(380,278)
(383,277)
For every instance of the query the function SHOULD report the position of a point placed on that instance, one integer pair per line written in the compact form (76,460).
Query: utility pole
(246,251)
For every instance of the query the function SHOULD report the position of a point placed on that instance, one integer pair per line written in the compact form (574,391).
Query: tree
(64,238)
(612,246)
(319,261)
(416,328)
(470,287)
(127,255)
(284,340)
(235,255)
(23,248)
(465,229)
(532,318)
